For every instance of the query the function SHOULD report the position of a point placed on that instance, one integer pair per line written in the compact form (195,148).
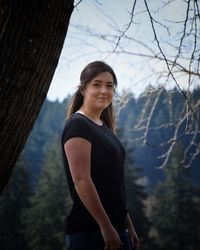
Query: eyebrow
(101,81)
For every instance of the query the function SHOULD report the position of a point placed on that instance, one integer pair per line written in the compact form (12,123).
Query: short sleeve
(77,128)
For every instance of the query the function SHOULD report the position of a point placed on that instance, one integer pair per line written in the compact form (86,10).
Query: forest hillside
(163,202)
(145,156)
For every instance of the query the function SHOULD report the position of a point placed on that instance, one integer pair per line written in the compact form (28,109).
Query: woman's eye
(110,86)
(96,84)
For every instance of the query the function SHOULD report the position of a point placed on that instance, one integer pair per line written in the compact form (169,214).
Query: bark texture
(32,34)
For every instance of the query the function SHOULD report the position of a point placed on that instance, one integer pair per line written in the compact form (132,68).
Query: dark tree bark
(31,40)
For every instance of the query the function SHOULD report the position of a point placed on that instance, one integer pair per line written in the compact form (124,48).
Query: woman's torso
(107,173)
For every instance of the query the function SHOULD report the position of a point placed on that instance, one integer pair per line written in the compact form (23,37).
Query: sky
(109,18)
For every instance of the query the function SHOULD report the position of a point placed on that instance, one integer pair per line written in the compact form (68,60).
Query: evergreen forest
(164,202)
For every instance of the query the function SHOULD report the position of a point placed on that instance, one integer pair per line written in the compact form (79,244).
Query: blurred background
(153,47)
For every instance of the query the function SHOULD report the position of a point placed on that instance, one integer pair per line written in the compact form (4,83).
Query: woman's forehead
(104,76)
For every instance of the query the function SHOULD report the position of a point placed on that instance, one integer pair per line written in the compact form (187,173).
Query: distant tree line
(132,116)
(166,214)
(33,219)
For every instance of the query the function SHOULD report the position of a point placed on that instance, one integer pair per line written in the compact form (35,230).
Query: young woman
(94,162)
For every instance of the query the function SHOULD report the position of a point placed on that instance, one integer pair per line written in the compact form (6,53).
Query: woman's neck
(92,115)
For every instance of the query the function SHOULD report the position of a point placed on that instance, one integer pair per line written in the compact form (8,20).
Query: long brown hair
(89,73)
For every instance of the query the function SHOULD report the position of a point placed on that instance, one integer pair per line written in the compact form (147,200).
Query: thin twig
(128,26)
(78,3)
(167,64)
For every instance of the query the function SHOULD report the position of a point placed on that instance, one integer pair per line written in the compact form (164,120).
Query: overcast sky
(108,17)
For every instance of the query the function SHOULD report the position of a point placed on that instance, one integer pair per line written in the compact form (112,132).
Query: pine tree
(12,202)
(135,194)
(44,221)
(176,213)
(135,200)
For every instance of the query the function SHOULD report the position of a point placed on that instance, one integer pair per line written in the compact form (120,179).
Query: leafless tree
(31,40)
(169,54)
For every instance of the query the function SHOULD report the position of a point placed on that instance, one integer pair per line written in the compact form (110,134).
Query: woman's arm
(134,238)
(78,152)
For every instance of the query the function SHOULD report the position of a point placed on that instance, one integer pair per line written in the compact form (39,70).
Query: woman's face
(98,93)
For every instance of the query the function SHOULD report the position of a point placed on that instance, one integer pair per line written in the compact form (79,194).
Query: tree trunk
(31,40)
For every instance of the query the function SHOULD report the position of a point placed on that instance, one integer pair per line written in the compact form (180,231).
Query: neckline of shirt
(96,123)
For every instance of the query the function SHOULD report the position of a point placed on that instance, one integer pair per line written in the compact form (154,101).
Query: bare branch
(167,64)
(128,26)
(78,3)
(164,62)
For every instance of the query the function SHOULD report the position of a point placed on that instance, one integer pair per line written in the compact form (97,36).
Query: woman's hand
(110,237)
(134,240)
(132,233)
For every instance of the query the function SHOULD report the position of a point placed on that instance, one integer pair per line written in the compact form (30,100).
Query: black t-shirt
(107,173)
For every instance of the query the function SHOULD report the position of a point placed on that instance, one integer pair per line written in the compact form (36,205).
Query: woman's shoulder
(76,119)
(77,126)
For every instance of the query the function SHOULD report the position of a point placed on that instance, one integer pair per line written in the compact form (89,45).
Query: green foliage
(51,119)
(167,112)
(135,201)
(44,220)
(136,205)
(176,213)
(12,202)
(47,128)
(136,195)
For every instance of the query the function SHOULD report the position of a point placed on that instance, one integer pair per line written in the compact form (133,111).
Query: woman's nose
(103,89)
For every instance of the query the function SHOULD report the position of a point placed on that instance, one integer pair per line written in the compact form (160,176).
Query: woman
(94,163)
